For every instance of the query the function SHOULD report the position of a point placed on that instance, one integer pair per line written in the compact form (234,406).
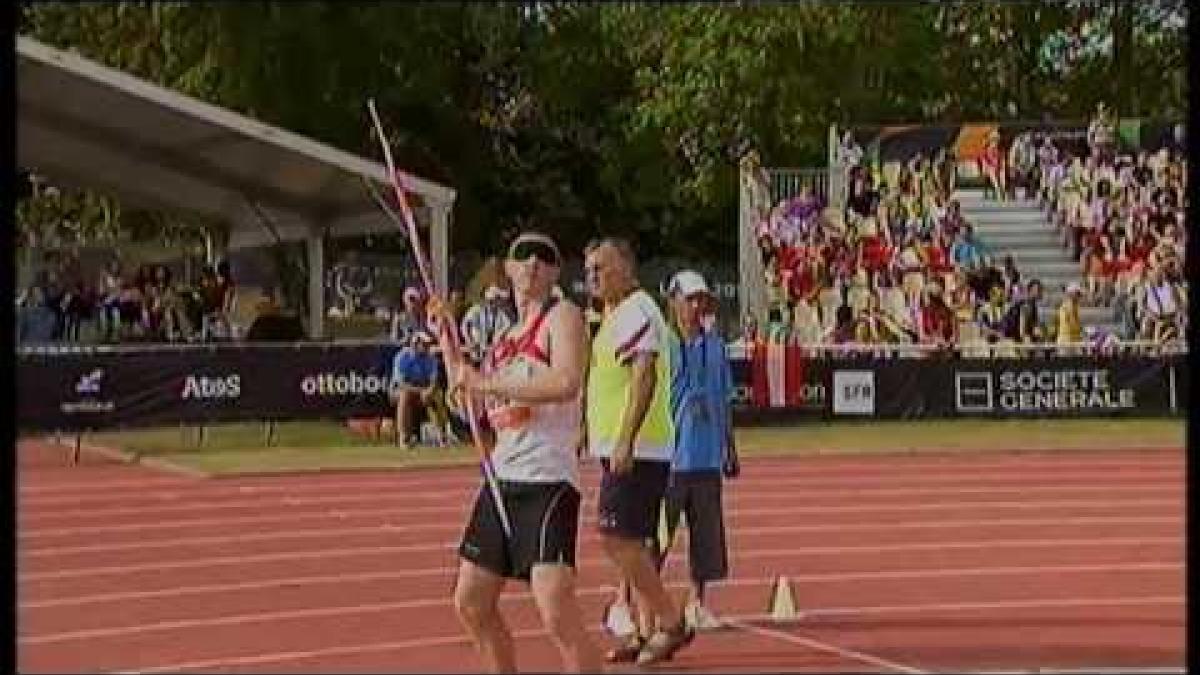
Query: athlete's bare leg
(476,594)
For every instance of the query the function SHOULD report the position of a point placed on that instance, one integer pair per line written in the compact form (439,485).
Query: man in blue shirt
(701,392)
(416,389)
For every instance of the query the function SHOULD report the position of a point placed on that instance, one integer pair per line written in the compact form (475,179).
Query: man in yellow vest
(629,429)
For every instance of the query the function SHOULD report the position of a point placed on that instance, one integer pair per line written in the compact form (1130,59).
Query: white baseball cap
(1074,287)
(687,282)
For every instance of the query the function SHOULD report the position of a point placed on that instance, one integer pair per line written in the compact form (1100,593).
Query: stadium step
(1034,256)
(988,219)
(1043,236)
(1020,247)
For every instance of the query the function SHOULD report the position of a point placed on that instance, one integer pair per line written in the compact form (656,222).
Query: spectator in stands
(166,313)
(1023,323)
(778,310)
(1162,304)
(1069,327)
(1100,342)
(416,391)
(967,251)
(944,173)
(130,305)
(849,151)
(1011,276)
(37,321)
(411,318)
(992,166)
(272,323)
(875,326)
(911,267)
(844,325)
(1022,161)
(938,325)
(110,297)
(1101,134)
(485,322)
(990,316)
(1050,172)
(936,253)
(960,297)
(217,297)
(863,199)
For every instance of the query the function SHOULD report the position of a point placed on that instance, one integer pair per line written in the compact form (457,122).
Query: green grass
(305,446)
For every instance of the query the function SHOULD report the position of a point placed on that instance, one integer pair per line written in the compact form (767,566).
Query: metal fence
(737,349)
(787,183)
(740,349)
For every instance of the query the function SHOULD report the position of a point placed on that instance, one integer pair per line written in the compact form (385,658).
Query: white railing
(1005,349)
(738,348)
(787,182)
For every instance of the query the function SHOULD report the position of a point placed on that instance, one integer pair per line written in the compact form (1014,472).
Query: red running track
(905,563)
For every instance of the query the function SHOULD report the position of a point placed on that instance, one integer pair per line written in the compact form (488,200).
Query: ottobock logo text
(202,387)
(342,384)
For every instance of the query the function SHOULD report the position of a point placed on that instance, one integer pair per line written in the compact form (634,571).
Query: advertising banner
(1066,387)
(105,389)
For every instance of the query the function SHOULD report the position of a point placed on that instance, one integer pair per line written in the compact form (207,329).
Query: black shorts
(629,503)
(697,495)
(545,522)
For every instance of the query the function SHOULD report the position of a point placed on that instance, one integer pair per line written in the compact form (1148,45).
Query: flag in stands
(777,371)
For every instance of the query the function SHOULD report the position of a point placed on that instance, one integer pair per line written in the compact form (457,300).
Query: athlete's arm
(581,437)
(568,358)
(637,404)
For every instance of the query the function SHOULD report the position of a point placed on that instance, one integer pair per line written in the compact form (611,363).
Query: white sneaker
(700,618)
(618,621)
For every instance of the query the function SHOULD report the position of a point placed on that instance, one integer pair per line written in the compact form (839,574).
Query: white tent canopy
(88,125)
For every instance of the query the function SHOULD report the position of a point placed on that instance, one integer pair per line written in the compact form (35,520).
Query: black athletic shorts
(697,496)
(545,522)
(629,503)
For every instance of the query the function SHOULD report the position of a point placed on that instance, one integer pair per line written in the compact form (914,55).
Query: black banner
(228,383)
(106,389)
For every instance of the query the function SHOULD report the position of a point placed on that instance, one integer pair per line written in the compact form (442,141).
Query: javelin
(414,238)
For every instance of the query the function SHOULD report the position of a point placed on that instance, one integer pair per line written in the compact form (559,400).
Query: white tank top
(534,442)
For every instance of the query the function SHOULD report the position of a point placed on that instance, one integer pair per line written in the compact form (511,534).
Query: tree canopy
(579,118)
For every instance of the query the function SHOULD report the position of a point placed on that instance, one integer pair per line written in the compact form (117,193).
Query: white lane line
(465,496)
(209,562)
(421,643)
(1093,670)
(822,646)
(292,515)
(1024,479)
(819,467)
(387,528)
(373,577)
(1060,603)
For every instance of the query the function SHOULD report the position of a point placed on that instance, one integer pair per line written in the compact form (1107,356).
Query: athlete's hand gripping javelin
(464,378)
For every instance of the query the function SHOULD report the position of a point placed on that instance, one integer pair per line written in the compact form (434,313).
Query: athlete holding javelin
(531,383)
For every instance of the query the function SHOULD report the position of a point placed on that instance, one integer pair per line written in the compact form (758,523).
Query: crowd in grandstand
(899,262)
(1123,219)
(147,305)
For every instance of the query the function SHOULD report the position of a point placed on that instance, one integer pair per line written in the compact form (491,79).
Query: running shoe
(664,643)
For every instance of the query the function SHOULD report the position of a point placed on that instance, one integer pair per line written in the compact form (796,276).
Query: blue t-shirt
(414,369)
(701,390)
